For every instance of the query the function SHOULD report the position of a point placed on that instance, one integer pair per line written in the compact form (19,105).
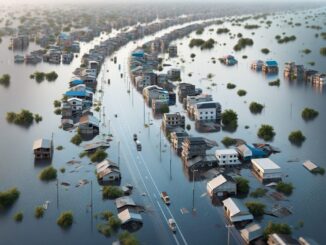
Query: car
(165,198)
(172,225)
(135,137)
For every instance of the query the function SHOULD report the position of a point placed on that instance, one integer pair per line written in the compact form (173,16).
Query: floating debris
(184,211)
(65,184)
(73,162)
(310,165)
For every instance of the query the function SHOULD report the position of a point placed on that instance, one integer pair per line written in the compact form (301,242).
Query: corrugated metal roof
(126,216)
(124,201)
(235,206)
(42,143)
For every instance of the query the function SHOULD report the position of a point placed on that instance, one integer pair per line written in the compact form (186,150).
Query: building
(173,51)
(266,169)
(221,185)
(229,60)
(43,149)
(308,75)
(191,101)
(201,162)
(207,111)
(244,152)
(257,65)
(125,202)
(20,42)
(173,120)
(107,171)
(187,89)
(236,211)
(251,232)
(270,67)
(293,71)
(130,219)
(195,146)
(155,92)
(227,157)
(176,137)
(281,239)
(88,124)
(174,74)
(319,79)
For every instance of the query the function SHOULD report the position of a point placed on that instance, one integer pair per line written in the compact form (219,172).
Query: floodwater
(149,172)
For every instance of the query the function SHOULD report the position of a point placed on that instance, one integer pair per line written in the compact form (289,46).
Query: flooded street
(150,170)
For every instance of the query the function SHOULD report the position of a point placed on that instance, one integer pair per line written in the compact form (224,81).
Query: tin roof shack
(187,89)
(125,202)
(236,211)
(227,157)
(281,239)
(293,71)
(257,65)
(251,232)
(172,120)
(130,219)
(222,185)
(270,67)
(177,137)
(107,172)
(195,146)
(88,125)
(43,149)
(173,51)
(266,170)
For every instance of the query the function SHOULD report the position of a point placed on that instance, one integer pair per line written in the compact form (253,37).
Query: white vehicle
(138,145)
(165,197)
(172,225)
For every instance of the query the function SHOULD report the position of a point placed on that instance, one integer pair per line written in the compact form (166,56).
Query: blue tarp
(77,82)
(256,152)
(271,63)
(75,93)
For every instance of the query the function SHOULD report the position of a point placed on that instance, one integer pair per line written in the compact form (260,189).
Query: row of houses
(267,67)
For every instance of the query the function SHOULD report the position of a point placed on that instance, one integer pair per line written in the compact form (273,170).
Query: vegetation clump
(38,118)
(196,43)
(276,228)
(40,76)
(318,170)
(242,185)
(111,192)
(227,141)
(98,156)
(242,43)
(275,83)
(8,198)
(230,119)
(23,118)
(256,108)
(59,147)
(65,219)
(47,174)
(127,238)
(57,103)
(309,114)
(287,39)
(297,137)
(209,44)
(250,27)
(51,76)
(257,209)
(266,132)
(222,30)
(306,51)
(76,139)
(19,216)
(200,31)
(5,80)
(39,212)
(57,111)
(259,192)
(285,188)
(230,85)
(242,92)
(265,50)
(323,51)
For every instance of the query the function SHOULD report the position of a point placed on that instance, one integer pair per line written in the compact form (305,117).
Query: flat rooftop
(266,164)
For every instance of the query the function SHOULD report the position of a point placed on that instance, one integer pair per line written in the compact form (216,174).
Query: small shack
(221,185)
(125,202)
(43,149)
(130,219)
(251,232)
(236,211)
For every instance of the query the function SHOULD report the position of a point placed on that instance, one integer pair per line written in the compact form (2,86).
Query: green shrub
(114,223)
(8,198)
(286,39)
(242,92)
(265,50)
(196,42)
(188,127)
(65,219)
(23,118)
(242,185)
(323,51)
(306,51)
(230,85)
(257,209)
(38,118)
(318,170)
(227,141)
(19,216)
(98,156)
(57,111)
(276,228)
(59,147)
(106,215)
(57,103)
(285,188)
(266,132)
(192,55)
(296,137)
(274,83)
(111,192)
(309,114)
(256,108)
(62,170)
(242,43)
(39,212)
(51,76)
(222,30)
(200,31)
(259,192)
(76,139)
(5,80)
(127,238)
(47,174)
(104,229)
(250,27)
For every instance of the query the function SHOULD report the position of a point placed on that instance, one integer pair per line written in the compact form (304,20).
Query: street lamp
(193,189)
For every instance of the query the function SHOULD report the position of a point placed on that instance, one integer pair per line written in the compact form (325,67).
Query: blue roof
(75,93)
(271,63)
(138,53)
(256,152)
(77,81)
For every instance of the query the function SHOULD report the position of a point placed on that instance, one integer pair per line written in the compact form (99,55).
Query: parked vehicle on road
(135,137)
(138,145)
(172,225)
(165,197)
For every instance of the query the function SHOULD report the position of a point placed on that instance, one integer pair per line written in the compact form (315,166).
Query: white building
(227,157)
(75,103)
(266,169)
(173,51)
(221,185)
(207,111)
(236,211)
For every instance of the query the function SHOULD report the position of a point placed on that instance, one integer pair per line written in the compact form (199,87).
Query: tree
(8,198)
(128,239)
(309,114)
(230,119)
(98,156)
(285,188)
(47,174)
(76,139)
(257,209)
(242,185)
(111,192)
(297,138)
(65,219)
(255,107)
(266,132)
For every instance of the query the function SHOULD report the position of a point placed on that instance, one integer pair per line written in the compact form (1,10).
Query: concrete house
(266,169)
(207,111)
(191,101)
(187,89)
(43,149)
(221,185)
(173,120)
(257,65)
(227,157)
(236,211)
(155,92)
(195,146)
(177,136)
(270,67)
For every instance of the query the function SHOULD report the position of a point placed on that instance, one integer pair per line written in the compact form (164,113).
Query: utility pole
(160,145)
(91,205)
(57,193)
(144,112)
(170,163)
(109,126)
(193,189)
(119,153)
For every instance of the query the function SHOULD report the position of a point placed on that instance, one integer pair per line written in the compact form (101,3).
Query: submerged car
(172,225)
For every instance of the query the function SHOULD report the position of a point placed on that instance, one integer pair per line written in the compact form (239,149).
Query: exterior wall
(205,114)
(227,159)
(266,176)
(227,187)
(112,176)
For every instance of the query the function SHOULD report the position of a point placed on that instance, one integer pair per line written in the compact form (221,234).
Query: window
(206,112)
